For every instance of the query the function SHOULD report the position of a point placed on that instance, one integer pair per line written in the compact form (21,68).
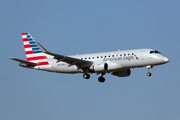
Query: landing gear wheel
(101,79)
(86,76)
(149,74)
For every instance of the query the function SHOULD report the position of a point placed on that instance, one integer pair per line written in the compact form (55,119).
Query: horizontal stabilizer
(23,61)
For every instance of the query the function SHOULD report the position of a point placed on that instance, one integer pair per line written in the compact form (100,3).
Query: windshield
(151,52)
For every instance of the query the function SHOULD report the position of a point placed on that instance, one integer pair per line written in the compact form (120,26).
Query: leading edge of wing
(69,60)
(23,61)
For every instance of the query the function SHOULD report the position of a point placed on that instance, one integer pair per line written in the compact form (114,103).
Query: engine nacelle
(122,73)
(99,67)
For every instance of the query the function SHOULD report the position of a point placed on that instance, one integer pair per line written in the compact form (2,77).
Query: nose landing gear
(148,69)
(149,74)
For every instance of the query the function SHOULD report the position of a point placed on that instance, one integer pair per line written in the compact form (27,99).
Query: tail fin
(33,52)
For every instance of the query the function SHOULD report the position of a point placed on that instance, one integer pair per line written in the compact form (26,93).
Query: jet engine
(99,67)
(122,73)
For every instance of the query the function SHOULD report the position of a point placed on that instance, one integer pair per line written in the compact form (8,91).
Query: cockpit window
(157,52)
(151,52)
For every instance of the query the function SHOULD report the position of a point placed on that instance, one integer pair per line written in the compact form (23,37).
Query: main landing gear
(100,79)
(148,69)
(86,76)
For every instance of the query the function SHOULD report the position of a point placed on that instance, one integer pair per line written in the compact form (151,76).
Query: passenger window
(132,53)
(112,55)
(101,56)
(117,55)
(120,54)
(105,56)
(85,58)
(128,54)
(109,56)
(89,57)
(92,57)
(97,56)
(124,54)
(81,58)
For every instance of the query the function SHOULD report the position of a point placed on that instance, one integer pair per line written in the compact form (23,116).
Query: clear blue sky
(81,26)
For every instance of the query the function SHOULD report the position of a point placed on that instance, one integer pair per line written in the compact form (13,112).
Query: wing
(82,64)
(23,61)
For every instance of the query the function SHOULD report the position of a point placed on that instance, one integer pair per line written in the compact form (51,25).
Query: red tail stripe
(42,63)
(36,58)
(23,33)
(27,46)
(29,52)
(25,40)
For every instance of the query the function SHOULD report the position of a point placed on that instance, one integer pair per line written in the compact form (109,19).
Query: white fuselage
(116,60)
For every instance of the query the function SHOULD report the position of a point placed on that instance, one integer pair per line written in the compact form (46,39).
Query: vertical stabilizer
(33,52)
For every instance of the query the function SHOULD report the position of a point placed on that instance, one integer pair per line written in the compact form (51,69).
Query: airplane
(118,63)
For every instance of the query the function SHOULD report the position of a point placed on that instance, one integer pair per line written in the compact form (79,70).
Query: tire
(101,79)
(149,74)
(86,76)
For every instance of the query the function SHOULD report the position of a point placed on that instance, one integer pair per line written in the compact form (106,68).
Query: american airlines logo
(130,57)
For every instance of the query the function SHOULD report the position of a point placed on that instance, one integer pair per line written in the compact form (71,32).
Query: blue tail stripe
(34,46)
(32,42)
(37,51)
(30,39)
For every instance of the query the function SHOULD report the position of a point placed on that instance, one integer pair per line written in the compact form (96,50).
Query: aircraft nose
(166,59)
